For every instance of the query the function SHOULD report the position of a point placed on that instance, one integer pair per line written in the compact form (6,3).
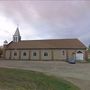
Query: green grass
(14,79)
(88,60)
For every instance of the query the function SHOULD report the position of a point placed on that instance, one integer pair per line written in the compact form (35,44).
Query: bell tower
(16,36)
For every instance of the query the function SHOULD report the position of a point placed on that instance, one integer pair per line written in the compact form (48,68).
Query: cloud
(47,19)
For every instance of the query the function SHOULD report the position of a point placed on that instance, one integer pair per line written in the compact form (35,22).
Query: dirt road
(78,73)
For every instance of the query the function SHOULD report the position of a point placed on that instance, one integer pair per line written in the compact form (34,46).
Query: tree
(1,52)
(89,46)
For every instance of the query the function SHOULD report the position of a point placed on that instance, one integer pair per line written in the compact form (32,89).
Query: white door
(79,56)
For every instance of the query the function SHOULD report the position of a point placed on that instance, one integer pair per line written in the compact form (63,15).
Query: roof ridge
(51,39)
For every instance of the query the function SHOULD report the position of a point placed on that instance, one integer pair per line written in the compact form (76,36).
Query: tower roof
(17,33)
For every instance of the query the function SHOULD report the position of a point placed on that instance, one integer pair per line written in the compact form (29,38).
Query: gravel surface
(78,73)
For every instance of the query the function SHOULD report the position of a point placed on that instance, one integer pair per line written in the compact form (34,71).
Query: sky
(45,19)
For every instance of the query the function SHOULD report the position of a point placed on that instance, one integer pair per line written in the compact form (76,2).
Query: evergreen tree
(89,47)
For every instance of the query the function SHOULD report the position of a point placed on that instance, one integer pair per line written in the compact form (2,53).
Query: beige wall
(70,52)
(22,56)
(75,51)
(37,57)
(7,54)
(13,56)
(88,53)
(52,54)
(49,57)
(58,55)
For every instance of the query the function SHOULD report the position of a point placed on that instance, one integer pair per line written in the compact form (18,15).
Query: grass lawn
(14,79)
(88,60)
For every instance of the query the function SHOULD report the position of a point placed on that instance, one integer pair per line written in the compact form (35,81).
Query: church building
(51,49)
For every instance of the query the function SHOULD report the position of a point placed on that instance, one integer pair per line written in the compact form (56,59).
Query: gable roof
(53,43)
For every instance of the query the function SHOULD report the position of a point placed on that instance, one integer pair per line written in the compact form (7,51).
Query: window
(34,54)
(15,54)
(63,53)
(15,39)
(45,54)
(24,54)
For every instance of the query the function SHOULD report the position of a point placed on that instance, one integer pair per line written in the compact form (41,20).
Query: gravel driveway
(78,73)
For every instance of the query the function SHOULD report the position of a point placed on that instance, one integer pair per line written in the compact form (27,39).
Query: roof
(53,43)
(17,33)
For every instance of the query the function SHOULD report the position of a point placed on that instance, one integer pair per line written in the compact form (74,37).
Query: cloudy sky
(45,19)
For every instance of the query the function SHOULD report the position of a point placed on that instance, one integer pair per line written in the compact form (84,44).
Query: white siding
(80,56)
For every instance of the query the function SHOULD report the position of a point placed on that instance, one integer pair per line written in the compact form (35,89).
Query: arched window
(79,52)
(15,54)
(45,54)
(24,54)
(34,54)
(63,52)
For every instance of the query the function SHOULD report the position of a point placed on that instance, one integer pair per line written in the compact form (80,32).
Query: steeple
(16,36)
(17,32)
